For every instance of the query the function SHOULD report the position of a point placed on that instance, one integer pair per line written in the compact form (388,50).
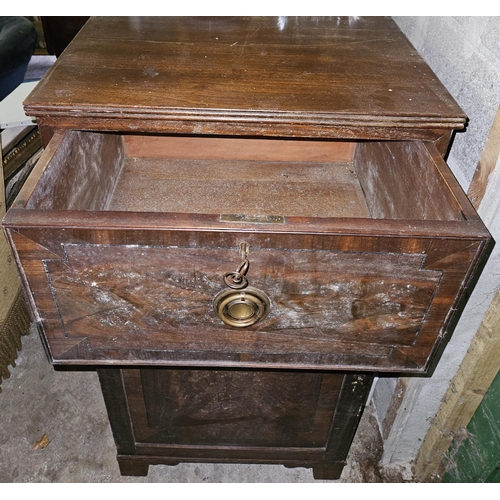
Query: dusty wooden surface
(299,419)
(142,246)
(297,76)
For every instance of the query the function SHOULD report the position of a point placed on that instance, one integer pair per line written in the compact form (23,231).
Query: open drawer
(351,256)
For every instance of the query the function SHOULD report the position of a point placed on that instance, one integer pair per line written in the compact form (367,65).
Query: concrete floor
(68,407)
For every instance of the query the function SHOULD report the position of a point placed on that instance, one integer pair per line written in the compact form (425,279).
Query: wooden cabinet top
(341,77)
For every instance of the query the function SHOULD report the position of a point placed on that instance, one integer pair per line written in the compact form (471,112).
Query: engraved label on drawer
(125,298)
(252,219)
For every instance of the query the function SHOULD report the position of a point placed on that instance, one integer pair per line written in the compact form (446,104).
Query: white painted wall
(464,52)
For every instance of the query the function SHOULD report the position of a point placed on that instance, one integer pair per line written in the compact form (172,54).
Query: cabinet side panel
(113,391)
(354,393)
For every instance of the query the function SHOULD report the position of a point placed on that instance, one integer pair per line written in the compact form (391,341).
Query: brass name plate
(253,219)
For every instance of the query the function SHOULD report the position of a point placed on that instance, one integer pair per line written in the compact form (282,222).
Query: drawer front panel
(146,293)
(353,306)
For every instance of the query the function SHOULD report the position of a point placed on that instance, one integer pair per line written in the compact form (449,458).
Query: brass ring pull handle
(241,305)
(241,308)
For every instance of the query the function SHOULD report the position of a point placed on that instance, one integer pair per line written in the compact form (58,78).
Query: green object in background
(477,458)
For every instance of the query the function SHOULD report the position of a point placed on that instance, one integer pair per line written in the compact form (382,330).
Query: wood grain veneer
(274,76)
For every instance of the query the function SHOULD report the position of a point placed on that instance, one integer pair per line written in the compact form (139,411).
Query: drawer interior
(237,176)
(250,177)
(117,283)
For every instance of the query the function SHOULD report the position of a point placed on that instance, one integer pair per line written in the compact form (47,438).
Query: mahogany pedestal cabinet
(239,222)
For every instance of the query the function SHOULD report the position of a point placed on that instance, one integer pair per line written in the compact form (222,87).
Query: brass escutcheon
(241,308)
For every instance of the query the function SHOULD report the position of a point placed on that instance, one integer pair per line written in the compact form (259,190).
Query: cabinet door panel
(232,407)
